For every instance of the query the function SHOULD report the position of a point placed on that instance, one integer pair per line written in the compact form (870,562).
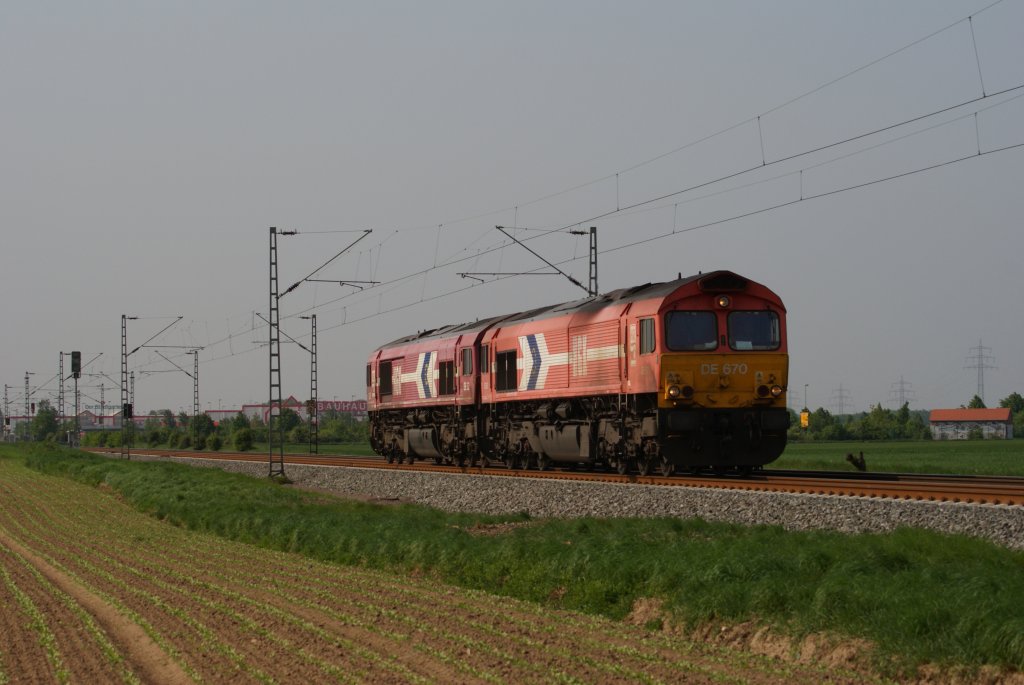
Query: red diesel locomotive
(686,374)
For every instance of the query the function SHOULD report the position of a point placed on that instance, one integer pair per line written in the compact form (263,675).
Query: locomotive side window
(368,377)
(646,336)
(467,361)
(754,330)
(446,378)
(691,331)
(484,368)
(384,375)
(505,379)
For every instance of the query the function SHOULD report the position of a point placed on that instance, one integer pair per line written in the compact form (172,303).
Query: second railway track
(1003,490)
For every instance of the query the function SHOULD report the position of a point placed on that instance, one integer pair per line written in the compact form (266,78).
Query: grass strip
(965,457)
(920,596)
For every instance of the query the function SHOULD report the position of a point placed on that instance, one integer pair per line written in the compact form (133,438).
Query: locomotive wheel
(543,463)
(438,460)
(622,466)
(643,466)
(511,461)
(667,467)
(389,455)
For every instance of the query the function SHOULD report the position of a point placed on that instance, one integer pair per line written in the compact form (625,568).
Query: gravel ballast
(459,492)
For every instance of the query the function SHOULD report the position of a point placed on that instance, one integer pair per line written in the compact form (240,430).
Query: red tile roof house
(956,424)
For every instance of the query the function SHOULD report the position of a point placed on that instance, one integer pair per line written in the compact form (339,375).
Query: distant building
(957,424)
(355,408)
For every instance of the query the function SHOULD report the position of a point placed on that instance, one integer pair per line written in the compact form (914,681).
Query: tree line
(164,428)
(887,424)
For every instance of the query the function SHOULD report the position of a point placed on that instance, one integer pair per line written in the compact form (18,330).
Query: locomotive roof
(723,280)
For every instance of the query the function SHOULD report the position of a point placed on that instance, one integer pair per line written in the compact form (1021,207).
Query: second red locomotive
(690,373)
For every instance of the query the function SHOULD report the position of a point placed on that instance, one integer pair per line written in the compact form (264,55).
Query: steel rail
(972,489)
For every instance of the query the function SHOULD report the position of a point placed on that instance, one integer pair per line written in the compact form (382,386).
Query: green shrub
(299,433)
(243,439)
(216,442)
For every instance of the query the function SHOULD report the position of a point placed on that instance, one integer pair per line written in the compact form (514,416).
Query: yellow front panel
(723,381)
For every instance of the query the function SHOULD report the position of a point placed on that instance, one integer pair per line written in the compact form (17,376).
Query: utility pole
(195,394)
(126,450)
(60,391)
(311,408)
(592,283)
(7,412)
(276,461)
(127,408)
(27,395)
(274,321)
(840,399)
(982,360)
(901,393)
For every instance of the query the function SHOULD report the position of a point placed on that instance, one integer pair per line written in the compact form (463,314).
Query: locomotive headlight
(776,390)
(723,301)
(674,391)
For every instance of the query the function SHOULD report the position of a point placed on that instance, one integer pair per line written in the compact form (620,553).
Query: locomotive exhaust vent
(722,281)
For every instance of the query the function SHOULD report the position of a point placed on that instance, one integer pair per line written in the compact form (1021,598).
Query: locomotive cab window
(369,378)
(384,376)
(505,378)
(691,331)
(467,361)
(446,378)
(646,336)
(757,330)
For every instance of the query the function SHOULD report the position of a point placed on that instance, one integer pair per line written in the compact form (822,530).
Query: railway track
(1005,490)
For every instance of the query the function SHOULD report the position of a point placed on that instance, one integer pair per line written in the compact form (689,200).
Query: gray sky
(145,149)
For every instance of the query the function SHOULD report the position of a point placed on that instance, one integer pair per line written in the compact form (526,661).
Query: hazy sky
(146,147)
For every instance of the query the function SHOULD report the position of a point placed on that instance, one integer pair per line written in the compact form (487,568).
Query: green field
(916,596)
(978,457)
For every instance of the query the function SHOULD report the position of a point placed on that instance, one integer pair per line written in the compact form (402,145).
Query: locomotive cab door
(466,384)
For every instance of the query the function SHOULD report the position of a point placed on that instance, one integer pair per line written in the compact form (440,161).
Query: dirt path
(124,597)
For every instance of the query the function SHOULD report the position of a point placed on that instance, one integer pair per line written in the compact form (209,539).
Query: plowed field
(91,591)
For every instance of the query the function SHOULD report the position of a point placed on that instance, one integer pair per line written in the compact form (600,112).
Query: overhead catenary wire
(388,286)
(457,258)
(709,224)
(691,188)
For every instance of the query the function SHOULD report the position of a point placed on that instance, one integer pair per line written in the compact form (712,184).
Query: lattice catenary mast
(840,399)
(901,392)
(981,361)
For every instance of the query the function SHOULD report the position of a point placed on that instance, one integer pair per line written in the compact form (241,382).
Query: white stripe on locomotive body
(424,376)
(536,360)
